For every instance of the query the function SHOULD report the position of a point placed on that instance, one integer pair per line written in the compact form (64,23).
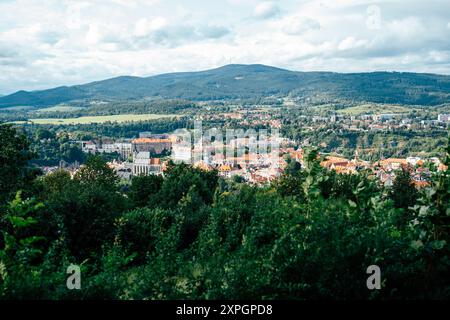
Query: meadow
(99,119)
(374,109)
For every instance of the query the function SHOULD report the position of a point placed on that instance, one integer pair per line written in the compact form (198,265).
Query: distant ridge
(237,81)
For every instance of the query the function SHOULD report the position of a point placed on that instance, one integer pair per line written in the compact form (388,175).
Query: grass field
(99,119)
(373,109)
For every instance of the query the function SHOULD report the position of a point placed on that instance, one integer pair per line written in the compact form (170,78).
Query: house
(414,161)
(392,163)
(331,162)
(88,147)
(224,170)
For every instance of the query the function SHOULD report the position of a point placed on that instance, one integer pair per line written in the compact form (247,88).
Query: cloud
(351,43)
(7,51)
(266,10)
(144,26)
(213,31)
(297,25)
(70,42)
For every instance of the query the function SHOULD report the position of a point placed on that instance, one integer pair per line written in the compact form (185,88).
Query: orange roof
(330,160)
(421,184)
(343,170)
(155,161)
(224,167)
(335,159)
(394,160)
(202,166)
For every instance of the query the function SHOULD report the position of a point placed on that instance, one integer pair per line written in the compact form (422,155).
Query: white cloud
(69,42)
(213,31)
(296,25)
(351,43)
(145,26)
(266,10)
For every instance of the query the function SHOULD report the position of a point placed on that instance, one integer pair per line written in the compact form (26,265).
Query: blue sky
(47,43)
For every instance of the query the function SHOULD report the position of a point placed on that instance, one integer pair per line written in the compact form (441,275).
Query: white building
(124,149)
(88,147)
(143,164)
(413,160)
(181,154)
(444,118)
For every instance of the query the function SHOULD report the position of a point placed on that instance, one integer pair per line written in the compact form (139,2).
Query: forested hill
(250,81)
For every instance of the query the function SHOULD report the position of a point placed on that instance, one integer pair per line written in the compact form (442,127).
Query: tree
(143,188)
(97,171)
(404,194)
(44,134)
(178,181)
(85,208)
(74,153)
(14,156)
(85,215)
(20,253)
(55,182)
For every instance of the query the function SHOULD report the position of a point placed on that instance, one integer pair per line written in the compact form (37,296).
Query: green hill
(250,81)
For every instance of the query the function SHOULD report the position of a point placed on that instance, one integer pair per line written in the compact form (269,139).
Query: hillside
(250,81)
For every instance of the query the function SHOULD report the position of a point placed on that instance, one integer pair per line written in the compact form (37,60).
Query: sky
(48,43)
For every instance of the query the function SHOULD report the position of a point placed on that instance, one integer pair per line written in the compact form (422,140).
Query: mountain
(250,81)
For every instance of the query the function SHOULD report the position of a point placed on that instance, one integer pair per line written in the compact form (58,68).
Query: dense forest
(192,235)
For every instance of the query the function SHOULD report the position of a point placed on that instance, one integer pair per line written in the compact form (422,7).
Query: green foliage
(138,230)
(14,156)
(143,188)
(178,182)
(403,193)
(190,235)
(96,172)
(19,250)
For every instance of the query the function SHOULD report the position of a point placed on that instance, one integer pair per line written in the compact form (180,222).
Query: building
(181,154)
(414,161)
(444,118)
(392,164)
(148,134)
(88,147)
(384,116)
(122,169)
(122,148)
(152,145)
(144,164)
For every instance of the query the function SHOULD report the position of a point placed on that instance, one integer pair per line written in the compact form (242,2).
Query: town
(150,153)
